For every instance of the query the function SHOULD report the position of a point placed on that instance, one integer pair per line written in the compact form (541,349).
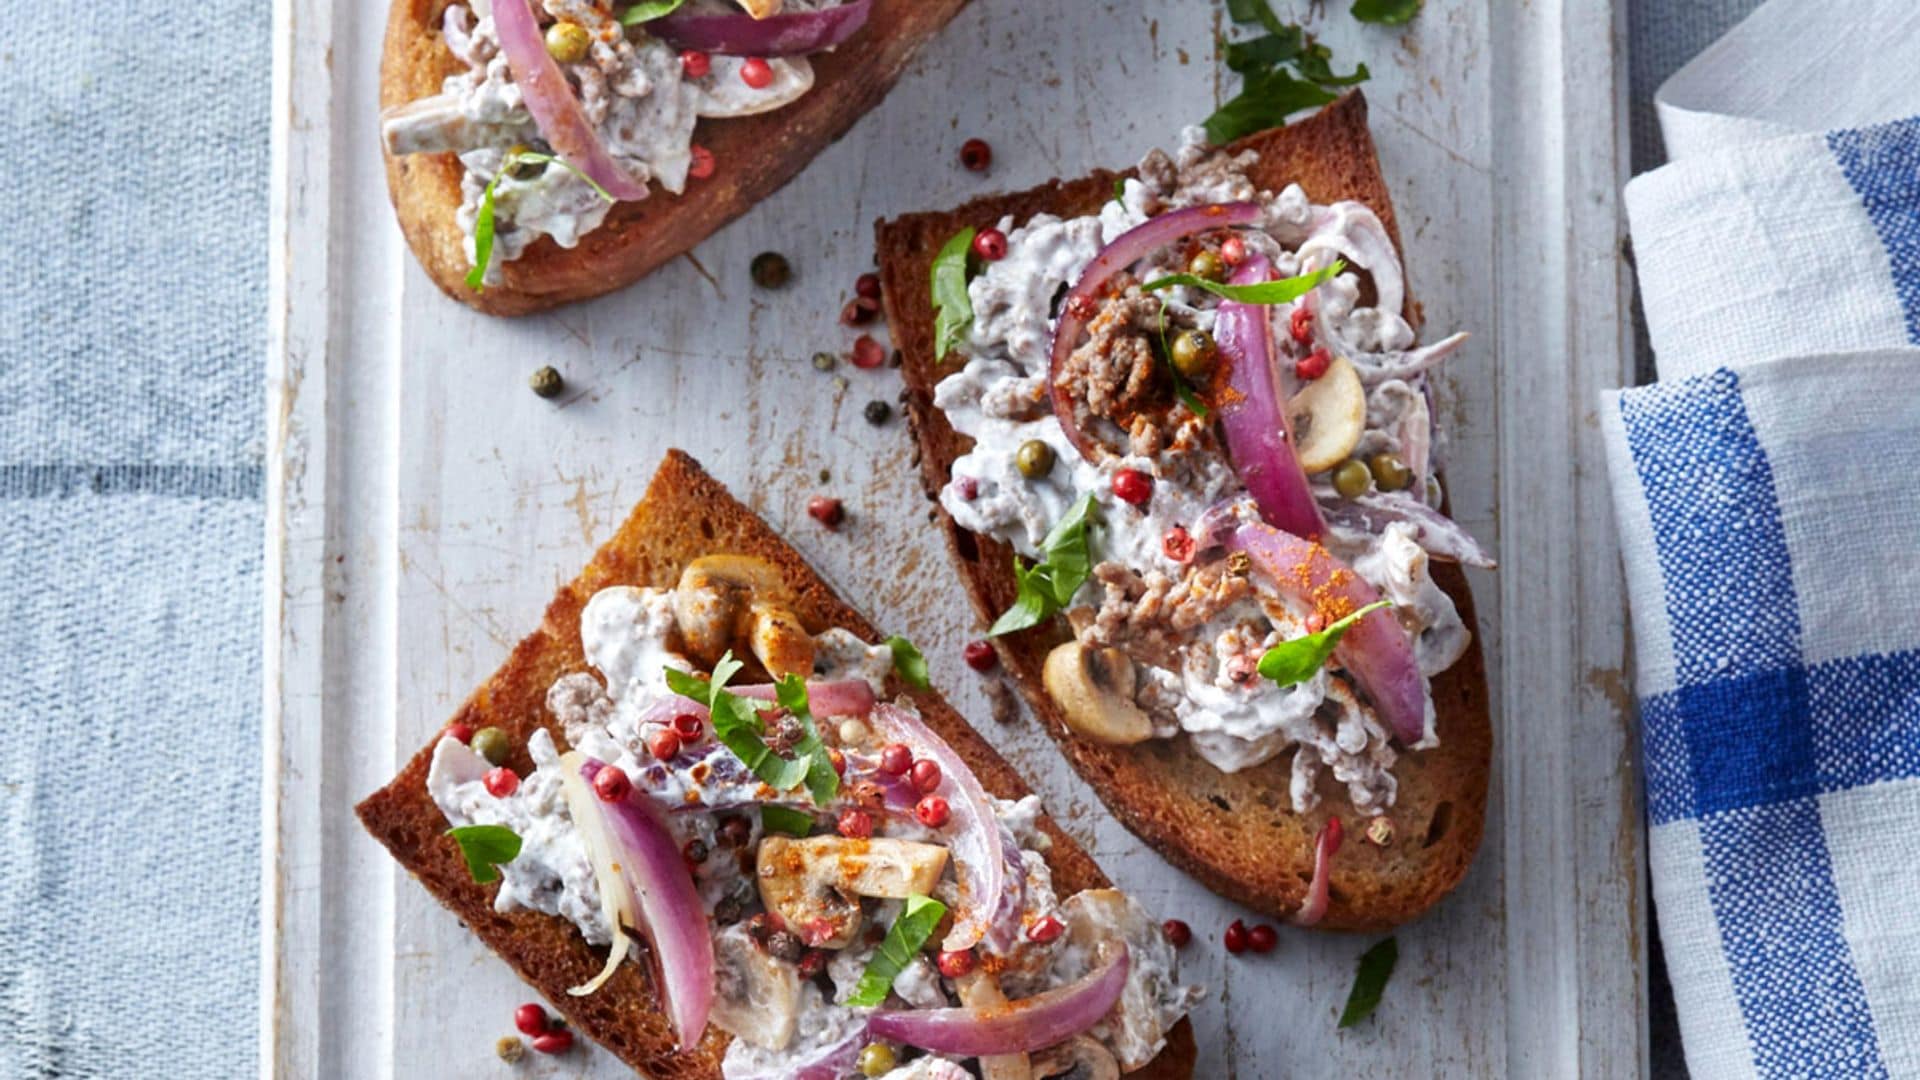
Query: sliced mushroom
(1079,1058)
(1094,687)
(980,990)
(727,601)
(815,884)
(756,995)
(1328,415)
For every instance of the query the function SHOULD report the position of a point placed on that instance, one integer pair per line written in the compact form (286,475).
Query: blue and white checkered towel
(1768,491)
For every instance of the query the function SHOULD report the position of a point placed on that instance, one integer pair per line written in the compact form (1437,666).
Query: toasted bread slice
(1236,833)
(685,514)
(756,155)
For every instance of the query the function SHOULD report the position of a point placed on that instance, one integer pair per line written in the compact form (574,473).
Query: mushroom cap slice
(757,995)
(1328,416)
(1094,688)
(815,884)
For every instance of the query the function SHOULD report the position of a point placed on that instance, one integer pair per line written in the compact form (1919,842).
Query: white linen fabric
(1768,495)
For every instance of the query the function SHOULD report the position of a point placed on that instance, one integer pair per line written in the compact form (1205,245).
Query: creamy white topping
(781,1020)
(634,90)
(999,399)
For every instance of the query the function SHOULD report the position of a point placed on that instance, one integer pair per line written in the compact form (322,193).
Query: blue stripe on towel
(1771,879)
(1866,719)
(1882,163)
(1723,552)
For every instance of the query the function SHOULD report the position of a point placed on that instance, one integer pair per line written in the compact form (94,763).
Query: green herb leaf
(648,10)
(953,308)
(1254,11)
(1296,661)
(1316,63)
(1265,101)
(486,847)
(781,819)
(1390,12)
(1283,291)
(736,723)
(1049,585)
(1120,190)
(483,222)
(904,940)
(1181,389)
(908,662)
(1266,51)
(822,782)
(1376,967)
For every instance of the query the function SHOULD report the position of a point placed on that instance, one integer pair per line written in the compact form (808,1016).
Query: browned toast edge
(1242,839)
(756,155)
(684,514)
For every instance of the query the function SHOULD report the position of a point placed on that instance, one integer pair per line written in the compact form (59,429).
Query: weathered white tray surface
(424,505)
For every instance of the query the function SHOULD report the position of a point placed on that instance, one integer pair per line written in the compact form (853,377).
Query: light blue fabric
(132,334)
(1767,515)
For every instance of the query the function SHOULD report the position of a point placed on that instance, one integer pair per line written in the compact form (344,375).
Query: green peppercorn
(547,382)
(1351,479)
(1389,472)
(876,1059)
(771,270)
(824,361)
(1433,491)
(490,743)
(518,168)
(1193,354)
(877,412)
(1207,265)
(568,42)
(510,1049)
(1034,459)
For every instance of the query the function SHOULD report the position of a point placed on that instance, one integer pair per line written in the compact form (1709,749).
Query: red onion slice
(1132,246)
(551,100)
(1017,1027)
(1254,416)
(1440,535)
(1376,651)
(1325,846)
(664,899)
(825,697)
(740,34)
(973,834)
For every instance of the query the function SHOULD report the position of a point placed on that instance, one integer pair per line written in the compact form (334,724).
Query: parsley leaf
(736,723)
(1254,11)
(954,308)
(1376,967)
(483,222)
(1120,190)
(1296,661)
(908,662)
(1283,291)
(648,10)
(1049,585)
(822,782)
(781,819)
(486,847)
(1266,100)
(1266,51)
(903,942)
(1390,12)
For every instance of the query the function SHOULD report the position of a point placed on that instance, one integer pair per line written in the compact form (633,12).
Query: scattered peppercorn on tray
(431,484)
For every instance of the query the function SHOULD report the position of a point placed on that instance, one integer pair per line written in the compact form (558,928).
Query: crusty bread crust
(1235,832)
(685,514)
(756,155)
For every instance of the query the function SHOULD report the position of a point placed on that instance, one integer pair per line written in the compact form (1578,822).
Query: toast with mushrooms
(453,121)
(547,690)
(1242,833)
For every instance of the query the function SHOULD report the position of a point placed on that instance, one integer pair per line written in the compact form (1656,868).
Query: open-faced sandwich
(1181,435)
(704,811)
(545,151)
